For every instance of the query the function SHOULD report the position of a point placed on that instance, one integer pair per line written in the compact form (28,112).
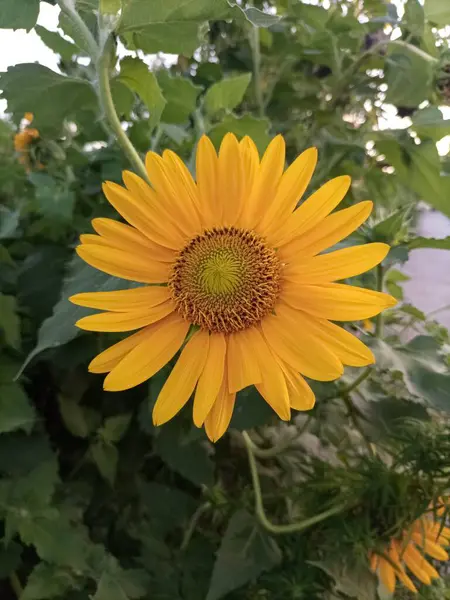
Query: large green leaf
(16,411)
(257,129)
(423,242)
(48,581)
(429,122)
(9,321)
(56,42)
(227,93)
(424,372)
(245,553)
(181,96)
(353,581)
(409,77)
(425,176)
(106,457)
(256,16)
(51,97)
(185,453)
(138,77)
(414,18)
(438,12)
(19,15)
(168,25)
(60,327)
(54,199)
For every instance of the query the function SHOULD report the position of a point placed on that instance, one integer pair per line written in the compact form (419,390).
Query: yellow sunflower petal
(430,547)
(266,183)
(273,387)
(125,237)
(126,265)
(148,357)
(111,357)
(373,562)
(348,348)
(181,382)
(301,396)
(211,378)
(337,301)
(164,180)
(123,300)
(231,179)
(300,349)
(313,210)
(184,182)
(337,265)
(292,186)
(400,571)
(327,233)
(219,416)
(125,321)
(140,215)
(387,575)
(243,365)
(416,566)
(250,163)
(162,226)
(207,167)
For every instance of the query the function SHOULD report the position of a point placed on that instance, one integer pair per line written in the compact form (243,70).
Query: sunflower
(23,139)
(234,277)
(427,534)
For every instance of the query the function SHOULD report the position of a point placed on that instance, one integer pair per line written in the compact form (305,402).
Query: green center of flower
(225,280)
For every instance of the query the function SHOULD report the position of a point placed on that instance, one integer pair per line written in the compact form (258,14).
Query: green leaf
(9,222)
(438,12)
(251,410)
(187,455)
(115,428)
(106,457)
(354,581)
(81,421)
(167,508)
(392,280)
(138,77)
(429,122)
(53,97)
(16,411)
(86,10)
(423,242)
(181,97)
(227,93)
(425,176)
(256,16)
(121,584)
(60,327)
(424,372)
(257,129)
(168,25)
(409,77)
(9,320)
(47,581)
(123,97)
(245,553)
(19,15)
(56,42)
(54,199)
(110,7)
(414,17)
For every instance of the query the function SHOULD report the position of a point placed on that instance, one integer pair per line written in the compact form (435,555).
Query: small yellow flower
(28,117)
(231,261)
(427,535)
(23,139)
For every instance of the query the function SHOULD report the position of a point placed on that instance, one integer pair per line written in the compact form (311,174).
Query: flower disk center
(225,280)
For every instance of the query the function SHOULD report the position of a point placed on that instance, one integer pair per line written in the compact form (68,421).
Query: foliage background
(97,503)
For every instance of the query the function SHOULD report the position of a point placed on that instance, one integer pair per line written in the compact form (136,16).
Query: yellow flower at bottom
(228,259)
(426,535)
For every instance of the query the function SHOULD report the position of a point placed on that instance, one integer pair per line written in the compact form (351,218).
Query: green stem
(15,584)
(68,7)
(193,524)
(379,321)
(107,105)
(281,446)
(259,507)
(256,56)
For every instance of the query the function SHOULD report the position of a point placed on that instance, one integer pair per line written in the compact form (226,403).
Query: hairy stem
(108,108)
(259,507)
(68,8)
(256,56)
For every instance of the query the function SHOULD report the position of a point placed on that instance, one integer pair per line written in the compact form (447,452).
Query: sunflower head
(404,553)
(235,277)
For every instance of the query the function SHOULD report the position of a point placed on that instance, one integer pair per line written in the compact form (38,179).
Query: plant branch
(193,524)
(16,585)
(107,105)
(256,56)
(68,8)
(281,446)
(259,507)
